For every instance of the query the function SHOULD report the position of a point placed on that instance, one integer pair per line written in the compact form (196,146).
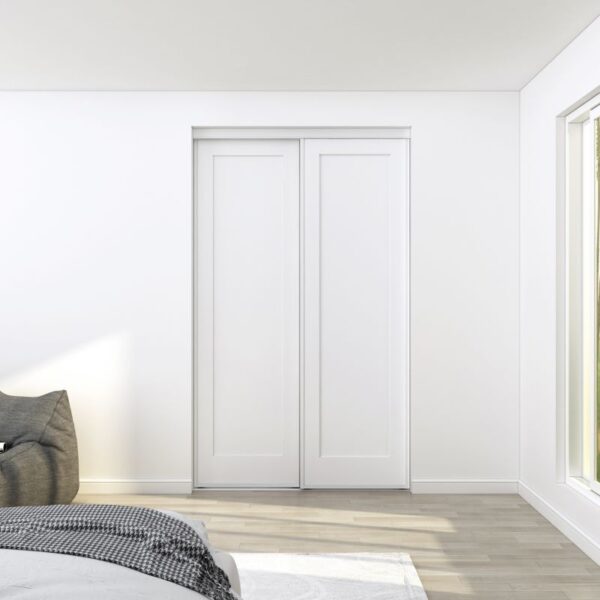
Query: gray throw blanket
(139,538)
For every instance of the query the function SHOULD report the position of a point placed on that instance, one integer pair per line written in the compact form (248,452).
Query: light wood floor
(483,547)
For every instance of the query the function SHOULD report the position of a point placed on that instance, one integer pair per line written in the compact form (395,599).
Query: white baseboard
(184,486)
(135,486)
(563,524)
(464,486)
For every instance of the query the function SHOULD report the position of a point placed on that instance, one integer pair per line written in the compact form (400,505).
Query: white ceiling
(283,44)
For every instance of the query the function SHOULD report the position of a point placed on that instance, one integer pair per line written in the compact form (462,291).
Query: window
(583,294)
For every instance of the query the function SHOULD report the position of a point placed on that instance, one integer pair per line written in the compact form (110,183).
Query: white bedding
(45,576)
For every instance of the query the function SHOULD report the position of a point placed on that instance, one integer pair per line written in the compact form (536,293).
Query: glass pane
(589,303)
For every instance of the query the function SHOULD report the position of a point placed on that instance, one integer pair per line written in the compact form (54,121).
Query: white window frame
(579,298)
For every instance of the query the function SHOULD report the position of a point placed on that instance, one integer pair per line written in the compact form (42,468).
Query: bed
(47,575)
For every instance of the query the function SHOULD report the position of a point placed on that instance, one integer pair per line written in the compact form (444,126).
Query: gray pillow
(41,465)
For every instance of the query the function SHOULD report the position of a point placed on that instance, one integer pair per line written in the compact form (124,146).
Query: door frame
(299,134)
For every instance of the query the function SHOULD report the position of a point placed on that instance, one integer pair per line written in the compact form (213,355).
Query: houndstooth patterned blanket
(139,538)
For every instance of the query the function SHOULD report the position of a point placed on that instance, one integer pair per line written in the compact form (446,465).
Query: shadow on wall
(97,377)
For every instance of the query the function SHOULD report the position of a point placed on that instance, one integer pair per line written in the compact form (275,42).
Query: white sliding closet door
(247,317)
(356,313)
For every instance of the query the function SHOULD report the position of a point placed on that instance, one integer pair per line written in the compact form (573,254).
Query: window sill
(583,487)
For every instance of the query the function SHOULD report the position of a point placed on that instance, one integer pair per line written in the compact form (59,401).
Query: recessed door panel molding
(356,313)
(247,313)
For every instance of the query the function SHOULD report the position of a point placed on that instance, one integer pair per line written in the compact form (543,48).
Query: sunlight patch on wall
(97,377)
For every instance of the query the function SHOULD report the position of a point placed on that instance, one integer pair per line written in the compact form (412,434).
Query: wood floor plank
(480,547)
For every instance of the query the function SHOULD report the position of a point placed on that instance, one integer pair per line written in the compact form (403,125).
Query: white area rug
(328,577)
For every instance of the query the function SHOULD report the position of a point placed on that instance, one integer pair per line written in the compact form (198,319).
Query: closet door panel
(247,292)
(356,313)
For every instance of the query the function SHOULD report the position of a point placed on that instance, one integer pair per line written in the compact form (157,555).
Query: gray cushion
(41,465)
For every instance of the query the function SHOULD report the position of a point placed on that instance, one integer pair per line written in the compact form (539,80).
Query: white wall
(95,258)
(573,75)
